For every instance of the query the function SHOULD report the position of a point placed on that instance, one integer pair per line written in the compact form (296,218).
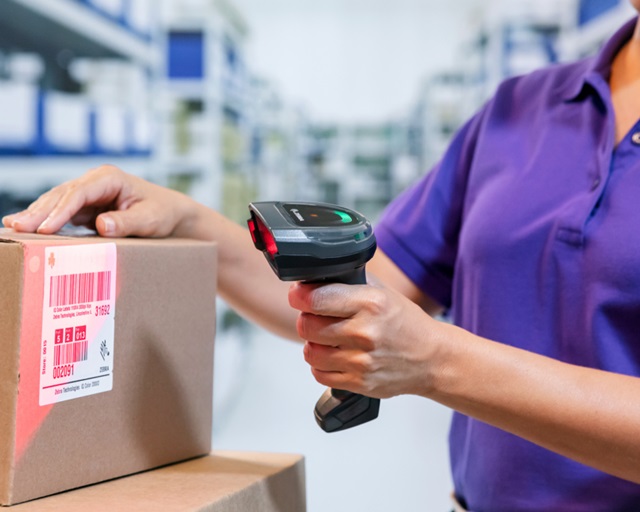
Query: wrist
(189,216)
(448,359)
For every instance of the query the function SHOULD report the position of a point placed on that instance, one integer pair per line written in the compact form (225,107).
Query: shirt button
(635,138)
(595,184)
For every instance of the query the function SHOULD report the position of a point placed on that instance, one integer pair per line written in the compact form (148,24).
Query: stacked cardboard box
(106,350)
(221,482)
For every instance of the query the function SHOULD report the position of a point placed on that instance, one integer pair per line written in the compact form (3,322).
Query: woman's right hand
(112,202)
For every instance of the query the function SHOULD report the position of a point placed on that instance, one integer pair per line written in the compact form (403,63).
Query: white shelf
(74,26)
(188,90)
(26,176)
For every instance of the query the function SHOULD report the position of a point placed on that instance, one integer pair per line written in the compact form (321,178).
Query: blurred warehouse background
(346,101)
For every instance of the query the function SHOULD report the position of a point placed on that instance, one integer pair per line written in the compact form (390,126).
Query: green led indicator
(344,217)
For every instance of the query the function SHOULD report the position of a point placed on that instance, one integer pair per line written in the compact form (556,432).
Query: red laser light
(264,236)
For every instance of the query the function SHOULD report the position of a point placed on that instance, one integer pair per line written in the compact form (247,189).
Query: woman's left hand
(367,339)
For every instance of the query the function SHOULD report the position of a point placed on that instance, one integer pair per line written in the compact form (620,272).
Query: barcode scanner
(318,242)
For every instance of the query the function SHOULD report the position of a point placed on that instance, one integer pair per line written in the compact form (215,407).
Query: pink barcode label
(78,321)
(70,353)
(69,289)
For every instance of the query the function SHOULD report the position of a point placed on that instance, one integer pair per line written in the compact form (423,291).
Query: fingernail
(44,225)
(109,225)
(17,218)
(7,220)
(13,217)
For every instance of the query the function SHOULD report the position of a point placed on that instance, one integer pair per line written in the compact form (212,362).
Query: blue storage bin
(591,9)
(185,55)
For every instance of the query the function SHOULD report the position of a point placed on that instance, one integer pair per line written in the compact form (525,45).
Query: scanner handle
(338,409)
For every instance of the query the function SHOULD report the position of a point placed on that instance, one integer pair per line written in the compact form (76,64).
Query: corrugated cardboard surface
(221,482)
(10,286)
(159,410)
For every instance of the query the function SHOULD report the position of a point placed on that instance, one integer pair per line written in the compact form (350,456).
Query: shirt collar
(598,68)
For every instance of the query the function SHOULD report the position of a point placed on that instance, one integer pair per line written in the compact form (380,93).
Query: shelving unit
(445,102)
(279,146)
(57,33)
(203,87)
(585,38)
(25,174)
(511,39)
(358,166)
(71,26)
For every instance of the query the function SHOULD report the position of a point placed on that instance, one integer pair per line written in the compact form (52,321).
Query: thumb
(143,219)
(110,225)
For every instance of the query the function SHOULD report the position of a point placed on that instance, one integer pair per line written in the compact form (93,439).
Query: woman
(527,232)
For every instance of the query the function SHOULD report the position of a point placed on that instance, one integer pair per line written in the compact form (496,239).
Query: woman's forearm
(588,415)
(245,280)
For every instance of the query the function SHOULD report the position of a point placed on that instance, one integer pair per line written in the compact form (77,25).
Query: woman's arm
(117,204)
(372,340)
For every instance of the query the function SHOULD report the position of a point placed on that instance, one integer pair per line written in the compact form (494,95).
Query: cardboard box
(221,482)
(107,358)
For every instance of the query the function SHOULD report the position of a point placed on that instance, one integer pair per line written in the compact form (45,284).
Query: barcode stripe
(71,289)
(70,353)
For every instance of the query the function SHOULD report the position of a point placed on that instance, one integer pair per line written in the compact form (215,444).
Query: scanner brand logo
(297,214)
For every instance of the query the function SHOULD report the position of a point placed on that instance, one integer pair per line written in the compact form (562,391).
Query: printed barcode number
(72,289)
(70,353)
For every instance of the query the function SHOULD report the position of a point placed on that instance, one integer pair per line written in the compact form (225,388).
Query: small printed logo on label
(297,213)
(104,350)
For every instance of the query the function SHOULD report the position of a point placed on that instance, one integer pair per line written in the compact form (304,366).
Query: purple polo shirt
(528,231)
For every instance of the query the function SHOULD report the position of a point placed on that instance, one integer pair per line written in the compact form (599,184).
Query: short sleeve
(420,229)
